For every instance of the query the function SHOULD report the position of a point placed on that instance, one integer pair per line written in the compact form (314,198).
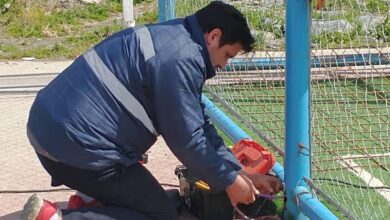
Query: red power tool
(253,157)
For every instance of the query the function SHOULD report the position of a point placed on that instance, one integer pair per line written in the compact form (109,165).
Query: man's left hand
(264,183)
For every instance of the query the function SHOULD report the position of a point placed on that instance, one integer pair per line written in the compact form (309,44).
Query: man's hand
(241,190)
(264,183)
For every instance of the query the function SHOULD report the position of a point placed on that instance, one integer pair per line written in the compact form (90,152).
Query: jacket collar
(197,35)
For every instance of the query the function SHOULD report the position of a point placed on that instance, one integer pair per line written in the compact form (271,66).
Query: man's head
(226,32)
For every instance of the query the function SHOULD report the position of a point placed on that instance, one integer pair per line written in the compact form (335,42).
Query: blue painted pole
(297,118)
(166,10)
(232,130)
(310,206)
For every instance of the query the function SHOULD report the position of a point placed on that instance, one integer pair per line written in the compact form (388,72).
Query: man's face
(220,55)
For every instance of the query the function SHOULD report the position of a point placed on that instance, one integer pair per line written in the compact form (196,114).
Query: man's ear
(213,38)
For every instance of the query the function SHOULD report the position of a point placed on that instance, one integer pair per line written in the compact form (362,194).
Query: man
(93,122)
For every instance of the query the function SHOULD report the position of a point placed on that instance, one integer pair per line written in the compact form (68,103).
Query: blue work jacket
(78,120)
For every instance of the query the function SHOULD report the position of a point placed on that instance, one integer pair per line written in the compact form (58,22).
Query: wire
(59,189)
(177,186)
(168,184)
(35,190)
(351,184)
(266,196)
(241,213)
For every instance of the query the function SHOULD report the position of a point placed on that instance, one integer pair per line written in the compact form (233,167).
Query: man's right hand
(241,190)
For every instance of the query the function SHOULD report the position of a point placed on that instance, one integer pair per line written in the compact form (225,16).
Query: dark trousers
(125,192)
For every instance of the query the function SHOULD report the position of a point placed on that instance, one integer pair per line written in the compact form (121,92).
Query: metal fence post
(301,204)
(128,13)
(166,10)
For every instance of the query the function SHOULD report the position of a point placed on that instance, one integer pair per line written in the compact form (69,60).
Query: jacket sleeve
(218,143)
(179,119)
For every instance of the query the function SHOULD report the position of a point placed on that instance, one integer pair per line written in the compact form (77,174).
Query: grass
(35,21)
(147,18)
(36,31)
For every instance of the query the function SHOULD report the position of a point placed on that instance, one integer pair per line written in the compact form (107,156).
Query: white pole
(128,13)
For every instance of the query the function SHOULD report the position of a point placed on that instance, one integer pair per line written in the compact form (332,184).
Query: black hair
(230,20)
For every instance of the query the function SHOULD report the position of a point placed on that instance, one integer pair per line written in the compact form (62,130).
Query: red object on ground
(37,208)
(253,157)
(76,202)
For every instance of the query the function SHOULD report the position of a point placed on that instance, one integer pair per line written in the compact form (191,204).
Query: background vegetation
(42,30)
